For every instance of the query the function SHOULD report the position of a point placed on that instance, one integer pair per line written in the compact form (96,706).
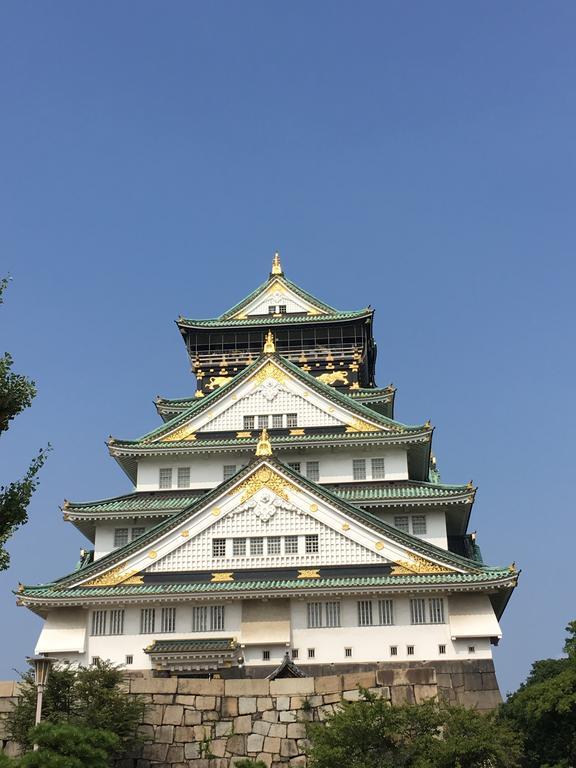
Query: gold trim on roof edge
(417,565)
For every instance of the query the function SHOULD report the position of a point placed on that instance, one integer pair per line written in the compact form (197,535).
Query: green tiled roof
(269,320)
(401,490)
(190,646)
(375,393)
(136,502)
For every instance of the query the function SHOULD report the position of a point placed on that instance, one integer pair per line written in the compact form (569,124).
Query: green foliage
(16,394)
(88,697)
(70,746)
(372,734)
(543,709)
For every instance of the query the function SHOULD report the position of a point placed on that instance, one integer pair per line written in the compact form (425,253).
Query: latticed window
(136,532)
(393,650)
(99,622)
(295,465)
(418,524)
(436,610)
(183,477)
(359,469)
(248,422)
(273,545)
(333,614)
(313,470)
(168,620)
(117,622)
(239,547)
(365,613)
(263,422)
(147,621)
(218,547)
(120,537)
(291,420)
(314,615)
(418,611)
(228,471)
(401,522)
(347,652)
(265,655)
(377,469)
(282,309)
(199,618)
(311,653)
(441,649)
(291,545)
(165,478)
(312,543)
(277,421)
(386,611)
(216,618)
(410,650)
(257,545)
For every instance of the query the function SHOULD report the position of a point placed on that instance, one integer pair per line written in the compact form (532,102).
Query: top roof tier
(337,347)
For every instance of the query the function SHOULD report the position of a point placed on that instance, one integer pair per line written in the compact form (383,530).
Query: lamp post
(42,666)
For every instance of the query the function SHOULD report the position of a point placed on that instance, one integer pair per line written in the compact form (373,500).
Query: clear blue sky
(419,157)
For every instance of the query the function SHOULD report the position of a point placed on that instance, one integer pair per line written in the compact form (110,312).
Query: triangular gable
(244,494)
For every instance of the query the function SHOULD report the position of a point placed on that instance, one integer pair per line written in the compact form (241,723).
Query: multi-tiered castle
(282,522)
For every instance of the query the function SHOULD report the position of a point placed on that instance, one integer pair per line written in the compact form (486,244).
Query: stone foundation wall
(197,723)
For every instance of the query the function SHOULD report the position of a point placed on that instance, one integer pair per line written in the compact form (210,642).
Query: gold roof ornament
(276,266)
(269,345)
(264,448)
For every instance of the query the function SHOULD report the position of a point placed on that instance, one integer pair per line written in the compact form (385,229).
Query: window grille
(471,649)
(183,477)
(312,543)
(99,622)
(216,618)
(273,545)
(418,525)
(386,611)
(313,470)
(277,421)
(248,422)
(282,309)
(95,660)
(291,420)
(347,652)
(365,613)
(147,621)
(129,659)
(199,618)
(401,522)
(257,545)
(165,478)
(410,650)
(436,610)
(265,655)
(294,653)
(228,471)
(311,653)
(295,465)
(359,469)
(117,622)
(333,614)
(263,422)
(272,309)
(168,620)
(120,537)
(136,532)
(218,547)
(239,547)
(393,650)
(291,545)
(441,649)
(314,615)
(377,469)
(418,611)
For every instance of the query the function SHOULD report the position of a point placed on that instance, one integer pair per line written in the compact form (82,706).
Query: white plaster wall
(205,471)
(435,523)
(293,302)
(104,538)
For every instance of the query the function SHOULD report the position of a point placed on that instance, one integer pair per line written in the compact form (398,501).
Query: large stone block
(192,717)
(271,716)
(254,742)
(263,703)
(175,754)
(265,758)
(472,681)
(163,698)
(243,724)
(192,750)
(246,705)
(247,687)
(362,679)
(164,734)
(278,729)
(298,762)
(6,688)
(291,686)
(328,684)
(154,685)
(421,676)
(287,717)
(173,715)
(223,728)
(155,752)
(236,744)
(424,692)
(198,685)
(402,694)
(205,702)
(218,747)
(185,700)
(288,748)
(7,705)
(229,706)
(489,682)
(482,700)
(146,732)
(282,702)
(261,727)
(184,734)
(296,731)
(272,744)
(153,714)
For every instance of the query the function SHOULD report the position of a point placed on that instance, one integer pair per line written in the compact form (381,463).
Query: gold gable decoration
(184,433)
(115,576)
(417,565)
(269,371)
(264,477)
(359,425)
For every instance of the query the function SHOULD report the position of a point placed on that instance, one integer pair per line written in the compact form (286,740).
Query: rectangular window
(147,621)
(265,655)
(239,547)
(218,547)
(377,469)
(393,650)
(291,545)
(95,660)
(257,545)
(129,659)
(291,420)
(120,537)
(347,652)
(228,471)
(277,421)
(312,543)
(99,622)
(272,309)
(295,465)
(311,653)
(436,610)
(418,611)
(200,618)
(117,622)
(263,422)
(418,525)
(471,649)
(313,470)
(441,649)
(333,614)
(359,469)
(282,309)
(294,653)
(183,477)
(401,522)
(248,422)
(165,478)
(386,611)
(410,650)
(273,545)
(168,620)
(216,618)
(314,615)
(137,532)
(365,613)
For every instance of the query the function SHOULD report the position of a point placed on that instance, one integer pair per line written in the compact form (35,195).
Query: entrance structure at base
(281,520)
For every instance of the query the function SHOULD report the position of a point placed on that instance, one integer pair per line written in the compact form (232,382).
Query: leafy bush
(70,746)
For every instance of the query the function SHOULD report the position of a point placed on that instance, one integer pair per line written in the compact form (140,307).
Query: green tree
(16,394)
(88,697)
(70,746)
(543,709)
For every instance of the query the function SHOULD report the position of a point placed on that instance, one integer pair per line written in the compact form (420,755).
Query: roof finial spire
(264,448)
(269,345)
(276,266)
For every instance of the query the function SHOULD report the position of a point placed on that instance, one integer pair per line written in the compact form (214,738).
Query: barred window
(295,465)
(313,470)
(120,537)
(99,622)
(117,622)
(136,532)
(294,653)
(291,419)
(436,610)
(347,652)
(248,422)
(418,524)
(147,621)
(265,655)
(441,649)
(401,522)
(311,653)
(257,545)
(314,615)
(273,545)
(239,547)
(393,650)
(282,309)
(291,545)
(183,477)
(263,422)
(218,547)
(216,618)
(277,421)
(228,471)
(359,469)
(418,611)
(168,620)
(410,650)
(365,613)
(377,469)
(333,614)
(312,543)
(165,478)
(199,618)
(386,611)
(129,659)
